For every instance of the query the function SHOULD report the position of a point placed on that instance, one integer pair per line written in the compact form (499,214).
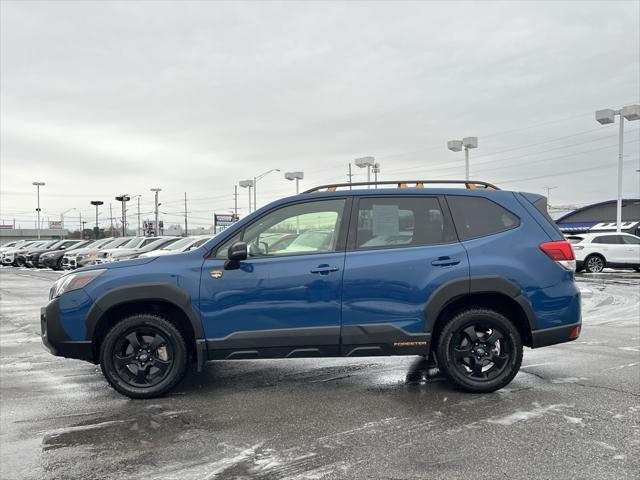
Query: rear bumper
(554,335)
(56,340)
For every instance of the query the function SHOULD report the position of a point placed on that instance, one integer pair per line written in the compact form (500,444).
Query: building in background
(12,234)
(601,217)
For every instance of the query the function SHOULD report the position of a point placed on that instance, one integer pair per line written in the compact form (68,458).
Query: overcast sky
(103,98)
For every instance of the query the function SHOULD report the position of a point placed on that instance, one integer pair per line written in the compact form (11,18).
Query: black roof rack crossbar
(469,184)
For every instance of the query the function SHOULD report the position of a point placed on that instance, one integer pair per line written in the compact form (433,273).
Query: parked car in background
(10,248)
(87,256)
(33,255)
(53,259)
(182,245)
(131,243)
(596,251)
(153,244)
(17,257)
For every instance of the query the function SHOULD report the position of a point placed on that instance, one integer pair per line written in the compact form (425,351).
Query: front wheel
(143,356)
(479,350)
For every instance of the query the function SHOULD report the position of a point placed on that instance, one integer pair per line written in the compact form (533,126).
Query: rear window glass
(541,206)
(476,217)
(401,221)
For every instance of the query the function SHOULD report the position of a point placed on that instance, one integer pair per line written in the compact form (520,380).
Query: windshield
(132,243)
(115,243)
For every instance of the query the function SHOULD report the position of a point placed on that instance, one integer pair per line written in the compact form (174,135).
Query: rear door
(611,246)
(399,251)
(631,249)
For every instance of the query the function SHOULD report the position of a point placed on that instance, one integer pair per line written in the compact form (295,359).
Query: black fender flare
(164,292)
(456,289)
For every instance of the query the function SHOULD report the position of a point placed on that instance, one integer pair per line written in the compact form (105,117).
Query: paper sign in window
(386,220)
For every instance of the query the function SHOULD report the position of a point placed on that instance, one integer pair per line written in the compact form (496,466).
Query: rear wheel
(479,350)
(143,356)
(594,264)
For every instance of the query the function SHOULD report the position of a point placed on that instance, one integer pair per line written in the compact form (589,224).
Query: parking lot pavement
(572,411)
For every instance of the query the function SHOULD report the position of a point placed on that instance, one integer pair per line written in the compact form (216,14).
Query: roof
(594,205)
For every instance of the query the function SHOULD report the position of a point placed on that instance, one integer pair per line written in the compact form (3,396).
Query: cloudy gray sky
(101,98)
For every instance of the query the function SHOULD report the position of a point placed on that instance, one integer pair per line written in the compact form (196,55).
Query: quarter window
(478,217)
(401,221)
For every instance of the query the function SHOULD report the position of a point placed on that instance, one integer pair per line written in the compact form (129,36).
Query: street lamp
(366,162)
(604,117)
(467,143)
(124,199)
(297,176)
(255,181)
(38,185)
(156,190)
(96,203)
(248,184)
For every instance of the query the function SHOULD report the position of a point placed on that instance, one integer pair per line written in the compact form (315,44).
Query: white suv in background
(595,251)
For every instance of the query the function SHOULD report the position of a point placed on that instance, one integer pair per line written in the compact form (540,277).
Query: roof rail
(469,184)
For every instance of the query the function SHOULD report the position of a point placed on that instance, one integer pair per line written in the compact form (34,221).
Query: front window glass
(303,228)
(629,240)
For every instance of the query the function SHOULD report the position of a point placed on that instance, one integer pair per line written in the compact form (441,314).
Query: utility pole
(235,200)
(81,224)
(548,189)
(138,230)
(350,175)
(111,216)
(186,230)
(156,190)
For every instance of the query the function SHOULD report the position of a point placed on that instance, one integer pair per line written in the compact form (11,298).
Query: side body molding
(456,289)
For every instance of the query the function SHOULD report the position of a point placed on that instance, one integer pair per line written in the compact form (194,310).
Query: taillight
(561,252)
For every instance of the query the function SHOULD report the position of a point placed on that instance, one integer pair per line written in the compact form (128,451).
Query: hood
(121,264)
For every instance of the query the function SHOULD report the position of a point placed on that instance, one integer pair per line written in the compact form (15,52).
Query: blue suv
(465,276)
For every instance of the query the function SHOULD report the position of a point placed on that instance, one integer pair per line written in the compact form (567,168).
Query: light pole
(467,143)
(376,171)
(96,203)
(255,181)
(38,185)
(248,184)
(367,162)
(156,190)
(604,117)
(297,176)
(124,199)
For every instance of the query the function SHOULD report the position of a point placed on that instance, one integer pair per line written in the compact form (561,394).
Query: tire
(491,363)
(58,265)
(143,356)
(594,263)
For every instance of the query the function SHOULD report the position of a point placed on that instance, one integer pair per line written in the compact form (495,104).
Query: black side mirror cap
(237,252)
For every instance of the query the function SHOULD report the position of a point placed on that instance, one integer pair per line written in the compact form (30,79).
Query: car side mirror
(236,253)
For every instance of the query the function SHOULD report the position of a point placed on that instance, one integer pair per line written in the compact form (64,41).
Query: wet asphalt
(573,411)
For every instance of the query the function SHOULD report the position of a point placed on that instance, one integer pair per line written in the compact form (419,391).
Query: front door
(400,250)
(285,299)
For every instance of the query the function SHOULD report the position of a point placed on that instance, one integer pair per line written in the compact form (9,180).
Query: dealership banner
(224,220)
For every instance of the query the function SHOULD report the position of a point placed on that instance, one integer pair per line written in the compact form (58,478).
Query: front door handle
(445,262)
(324,269)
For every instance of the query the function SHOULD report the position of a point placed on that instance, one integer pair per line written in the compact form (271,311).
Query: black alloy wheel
(143,356)
(480,350)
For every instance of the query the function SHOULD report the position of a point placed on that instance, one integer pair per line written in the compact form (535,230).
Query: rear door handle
(324,269)
(445,262)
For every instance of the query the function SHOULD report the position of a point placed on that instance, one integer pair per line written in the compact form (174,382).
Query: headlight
(74,281)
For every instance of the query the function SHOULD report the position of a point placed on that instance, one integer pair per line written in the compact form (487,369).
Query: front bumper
(56,340)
